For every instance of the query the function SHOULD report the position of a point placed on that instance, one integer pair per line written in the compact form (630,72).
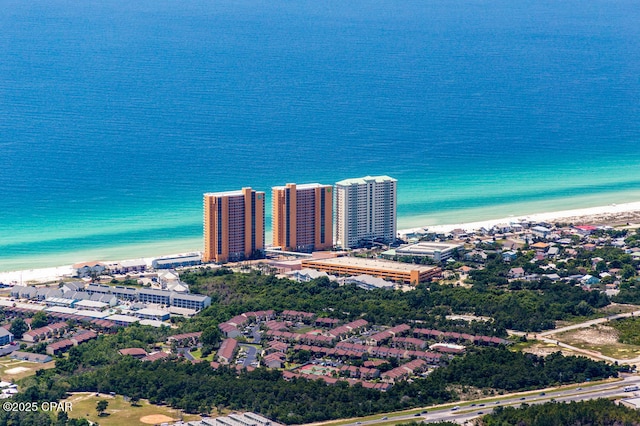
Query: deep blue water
(116,116)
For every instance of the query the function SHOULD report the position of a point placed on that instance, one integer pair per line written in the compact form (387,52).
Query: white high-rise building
(365,210)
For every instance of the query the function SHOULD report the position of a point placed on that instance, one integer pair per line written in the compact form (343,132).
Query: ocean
(115,117)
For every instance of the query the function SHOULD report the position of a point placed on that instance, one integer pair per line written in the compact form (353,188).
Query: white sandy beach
(614,213)
(45,275)
(35,275)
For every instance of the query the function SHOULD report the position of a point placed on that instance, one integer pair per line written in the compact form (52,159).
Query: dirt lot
(600,338)
(544,349)
(599,335)
(156,419)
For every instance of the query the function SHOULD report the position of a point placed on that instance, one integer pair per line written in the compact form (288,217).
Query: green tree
(628,271)
(101,407)
(18,328)
(301,357)
(80,422)
(601,266)
(62,419)
(39,320)
(211,336)
(583,309)
(134,400)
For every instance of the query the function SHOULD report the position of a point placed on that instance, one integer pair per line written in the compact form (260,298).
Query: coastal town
(310,213)
(44,323)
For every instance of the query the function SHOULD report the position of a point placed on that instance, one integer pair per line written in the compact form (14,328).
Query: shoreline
(612,214)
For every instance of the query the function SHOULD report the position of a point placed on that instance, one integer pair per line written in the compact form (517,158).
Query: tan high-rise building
(233,225)
(303,217)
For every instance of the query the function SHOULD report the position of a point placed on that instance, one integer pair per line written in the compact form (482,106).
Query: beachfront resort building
(365,211)
(302,217)
(233,225)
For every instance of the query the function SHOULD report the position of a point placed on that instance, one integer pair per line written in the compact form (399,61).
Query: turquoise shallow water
(119,115)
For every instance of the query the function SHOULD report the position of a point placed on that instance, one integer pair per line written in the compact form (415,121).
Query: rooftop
(303,186)
(364,180)
(235,193)
(370,263)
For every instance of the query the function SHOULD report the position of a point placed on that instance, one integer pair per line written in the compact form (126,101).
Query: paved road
(548,337)
(257,336)
(467,411)
(587,323)
(251,355)
(186,354)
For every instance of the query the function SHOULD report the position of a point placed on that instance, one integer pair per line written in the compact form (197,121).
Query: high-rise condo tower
(233,225)
(365,211)
(302,217)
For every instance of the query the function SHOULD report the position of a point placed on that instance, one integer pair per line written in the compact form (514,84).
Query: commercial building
(436,251)
(233,225)
(303,217)
(5,336)
(31,357)
(393,271)
(245,419)
(365,211)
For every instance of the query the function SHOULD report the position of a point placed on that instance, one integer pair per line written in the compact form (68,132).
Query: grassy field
(120,412)
(602,339)
(197,354)
(615,308)
(13,369)
(620,351)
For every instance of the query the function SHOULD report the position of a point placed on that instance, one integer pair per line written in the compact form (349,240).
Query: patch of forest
(97,366)
(601,412)
(628,330)
(197,388)
(525,306)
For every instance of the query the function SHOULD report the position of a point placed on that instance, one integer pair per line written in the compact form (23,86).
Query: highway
(462,412)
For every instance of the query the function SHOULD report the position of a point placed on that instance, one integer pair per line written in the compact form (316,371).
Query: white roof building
(153,323)
(436,251)
(91,305)
(368,282)
(122,319)
(365,210)
(308,274)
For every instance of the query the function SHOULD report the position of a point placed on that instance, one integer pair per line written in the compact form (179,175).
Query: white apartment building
(365,210)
